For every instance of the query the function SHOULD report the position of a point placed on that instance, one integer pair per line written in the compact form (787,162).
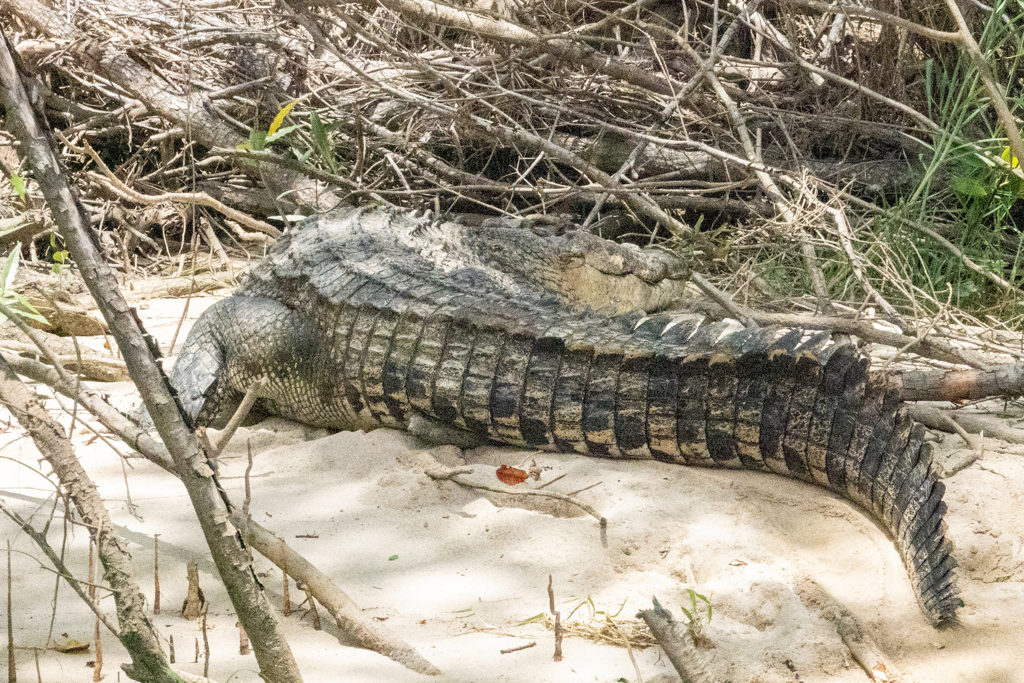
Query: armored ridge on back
(372,317)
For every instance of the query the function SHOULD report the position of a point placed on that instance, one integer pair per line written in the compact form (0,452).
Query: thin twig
(250,398)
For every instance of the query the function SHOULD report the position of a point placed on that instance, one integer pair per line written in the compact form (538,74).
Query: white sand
(469,567)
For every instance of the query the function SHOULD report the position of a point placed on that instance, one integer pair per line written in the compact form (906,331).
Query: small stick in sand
(287,609)
(558,619)
(192,607)
(156,573)
(206,644)
(12,671)
(97,669)
(558,637)
(312,608)
(510,650)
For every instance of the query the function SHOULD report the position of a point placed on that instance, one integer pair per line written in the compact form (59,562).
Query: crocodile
(378,317)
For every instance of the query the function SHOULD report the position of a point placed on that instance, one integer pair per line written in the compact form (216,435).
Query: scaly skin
(370,318)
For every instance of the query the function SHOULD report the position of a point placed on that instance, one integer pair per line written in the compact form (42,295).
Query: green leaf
(19,185)
(1016,186)
(257,140)
(279,119)
(277,135)
(10,269)
(392,558)
(969,186)
(322,141)
(30,311)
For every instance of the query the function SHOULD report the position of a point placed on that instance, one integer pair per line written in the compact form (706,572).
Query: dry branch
(136,632)
(676,641)
(351,620)
(991,426)
(862,12)
(273,654)
(507,32)
(192,112)
(356,628)
(961,385)
(439,472)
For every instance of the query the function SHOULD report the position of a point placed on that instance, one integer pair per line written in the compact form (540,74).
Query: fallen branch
(351,620)
(861,12)
(675,640)
(365,633)
(865,652)
(136,631)
(961,385)
(272,652)
(503,31)
(970,422)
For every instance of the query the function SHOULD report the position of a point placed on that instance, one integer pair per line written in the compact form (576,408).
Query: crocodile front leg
(242,339)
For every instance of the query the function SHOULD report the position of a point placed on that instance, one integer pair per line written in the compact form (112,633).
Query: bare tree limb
(970,422)
(364,633)
(229,554)
(962,385)
(136,632)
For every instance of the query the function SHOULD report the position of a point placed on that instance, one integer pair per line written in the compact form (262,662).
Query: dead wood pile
(806,156)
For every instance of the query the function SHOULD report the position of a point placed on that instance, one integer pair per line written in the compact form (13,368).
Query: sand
(462,574)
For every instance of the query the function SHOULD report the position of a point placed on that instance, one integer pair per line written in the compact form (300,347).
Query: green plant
(696,621)
(259,139)
(11,298)
(58,253)
(987,188)
(321,141)
(18,184)
(971,191)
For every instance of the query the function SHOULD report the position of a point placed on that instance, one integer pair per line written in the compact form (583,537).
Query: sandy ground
(462,575)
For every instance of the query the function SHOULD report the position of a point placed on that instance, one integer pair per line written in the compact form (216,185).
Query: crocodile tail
(803,406)
(792,403)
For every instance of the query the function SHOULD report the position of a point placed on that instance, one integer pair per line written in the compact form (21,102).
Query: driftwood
(991,426)
(356,627)
(961,385)
(875,663)
(676,641)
